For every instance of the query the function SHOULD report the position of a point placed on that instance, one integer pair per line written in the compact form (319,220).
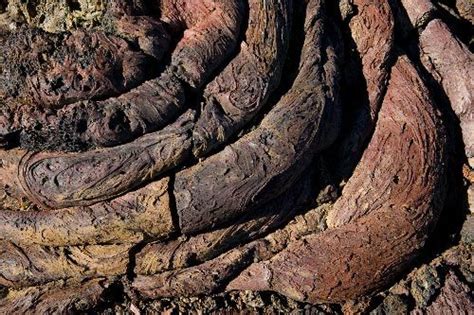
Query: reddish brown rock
(378,240)
(242,89)
(185,252)
(211,30)
(262,164)
(450,62)
(372,29)
(454,298)
(212,128)
(419,12)
(54,70)
(452,65)
(59,180)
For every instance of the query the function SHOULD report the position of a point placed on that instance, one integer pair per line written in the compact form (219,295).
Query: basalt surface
(155,151)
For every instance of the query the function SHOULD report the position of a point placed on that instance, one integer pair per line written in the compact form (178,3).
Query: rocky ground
(440,280)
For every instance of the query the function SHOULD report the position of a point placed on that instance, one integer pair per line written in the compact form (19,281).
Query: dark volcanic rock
(208,156)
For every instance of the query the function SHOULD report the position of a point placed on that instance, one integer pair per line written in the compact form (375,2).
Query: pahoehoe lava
(175,148)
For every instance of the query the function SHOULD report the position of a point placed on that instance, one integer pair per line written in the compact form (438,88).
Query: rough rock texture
(465,9)
(450,62)
(456,65)
(455,298)
(55,70)
(229,156)
(377,239)
(63,298)
(24,266)
(127,219)
(267,160)
(204,46)
(372,32)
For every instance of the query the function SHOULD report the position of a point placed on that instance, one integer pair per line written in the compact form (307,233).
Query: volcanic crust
(191,147)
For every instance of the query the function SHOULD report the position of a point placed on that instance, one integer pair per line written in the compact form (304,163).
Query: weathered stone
(425,286)
(177,148)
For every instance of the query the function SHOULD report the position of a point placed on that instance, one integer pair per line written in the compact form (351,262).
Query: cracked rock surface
(226,156)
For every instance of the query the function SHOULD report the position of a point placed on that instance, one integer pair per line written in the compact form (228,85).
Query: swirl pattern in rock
(181,148)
